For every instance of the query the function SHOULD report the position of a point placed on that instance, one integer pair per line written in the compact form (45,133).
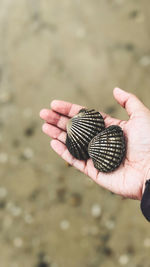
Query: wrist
(145,201)
(146,178)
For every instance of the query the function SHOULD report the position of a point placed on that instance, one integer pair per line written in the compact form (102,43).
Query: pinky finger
(54,132)
(62,151)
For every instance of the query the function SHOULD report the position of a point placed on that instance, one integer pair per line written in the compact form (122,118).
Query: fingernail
(119,89)
(41,112)
(44,113)
(52,104)
(44,127)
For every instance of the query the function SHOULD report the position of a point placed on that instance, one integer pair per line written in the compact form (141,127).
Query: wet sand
(51,215)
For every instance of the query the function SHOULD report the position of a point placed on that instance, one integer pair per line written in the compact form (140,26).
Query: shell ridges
(107,149)
(80,131)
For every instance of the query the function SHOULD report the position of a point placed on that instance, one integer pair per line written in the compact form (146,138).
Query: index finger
(65,108)
(69,109)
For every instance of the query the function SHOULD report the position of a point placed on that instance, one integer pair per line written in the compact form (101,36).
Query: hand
(129,179)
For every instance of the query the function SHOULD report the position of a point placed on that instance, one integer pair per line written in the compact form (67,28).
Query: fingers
(54,118)
(128,101)
(54,132)
(65,108)
(70,110)
(55,125)
(60,121)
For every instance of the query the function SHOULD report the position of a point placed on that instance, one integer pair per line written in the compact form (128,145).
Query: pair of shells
(87,137)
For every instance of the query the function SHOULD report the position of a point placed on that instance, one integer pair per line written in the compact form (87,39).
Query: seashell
(80,131)
(107,149)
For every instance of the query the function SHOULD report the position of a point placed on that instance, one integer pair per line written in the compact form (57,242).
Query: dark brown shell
(80,131)
(107,149)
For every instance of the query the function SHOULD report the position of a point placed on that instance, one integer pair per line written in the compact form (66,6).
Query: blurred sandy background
(77,50)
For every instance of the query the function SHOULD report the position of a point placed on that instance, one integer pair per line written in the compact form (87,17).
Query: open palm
(129,179)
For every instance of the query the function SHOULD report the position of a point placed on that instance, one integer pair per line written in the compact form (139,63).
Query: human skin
(128,180)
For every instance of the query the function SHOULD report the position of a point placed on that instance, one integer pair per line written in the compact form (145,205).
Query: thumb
(128,101)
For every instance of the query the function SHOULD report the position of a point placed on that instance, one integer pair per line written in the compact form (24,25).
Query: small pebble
(42,264)
(18,242)
(29,131)
(28,218)
(105,237)
(147,242)
(64,225)
(145,61)
(134,13)
(124,259)
(96,211)
(129,47)
(110,224)
(3,157)
(3,192)
(75,199)
(111,109)
(34,194)
(106,250)
(2,204)
(130,249)
(28,153)
(15,210)
(67,164)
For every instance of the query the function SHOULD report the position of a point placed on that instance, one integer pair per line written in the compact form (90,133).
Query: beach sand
(51,215)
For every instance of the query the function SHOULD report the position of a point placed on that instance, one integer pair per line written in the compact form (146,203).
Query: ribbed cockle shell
(80,131)
(107,149)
